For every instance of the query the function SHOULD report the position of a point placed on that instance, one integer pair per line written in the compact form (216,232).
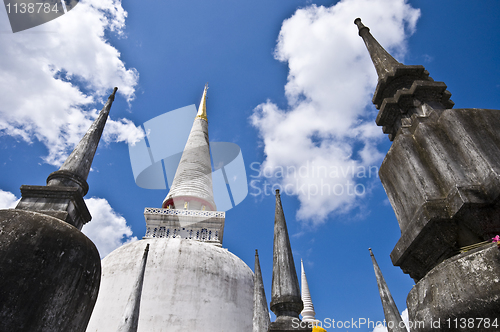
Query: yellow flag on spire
(202,110)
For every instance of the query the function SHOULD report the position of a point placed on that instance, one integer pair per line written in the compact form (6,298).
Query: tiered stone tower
(442,177)
(50,271)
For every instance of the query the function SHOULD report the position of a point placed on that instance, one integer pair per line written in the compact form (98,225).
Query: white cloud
(8,200)
(107,229)
(404,317)
(328,130)
(47,69)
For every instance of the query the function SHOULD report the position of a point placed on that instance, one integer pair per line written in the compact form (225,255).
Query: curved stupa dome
(188,286)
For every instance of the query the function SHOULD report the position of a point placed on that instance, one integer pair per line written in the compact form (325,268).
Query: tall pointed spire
(130,318)
(62,197)
(261,319)
(308,313)
(402,91)
(285,293)
(384,62)
(189,210)
(391,312)
(192,185)
(75,170)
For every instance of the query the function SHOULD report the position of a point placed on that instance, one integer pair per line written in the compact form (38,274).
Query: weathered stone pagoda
(442,177)
(50,271)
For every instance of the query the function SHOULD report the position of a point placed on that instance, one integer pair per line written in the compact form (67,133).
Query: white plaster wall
(188,286)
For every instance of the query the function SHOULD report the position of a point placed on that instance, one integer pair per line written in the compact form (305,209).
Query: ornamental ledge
(192,213)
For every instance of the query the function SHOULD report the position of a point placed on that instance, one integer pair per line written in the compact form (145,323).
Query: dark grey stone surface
(65,203)
(286,302)
(284,324)
(464,288)
(50,274)
(442,177)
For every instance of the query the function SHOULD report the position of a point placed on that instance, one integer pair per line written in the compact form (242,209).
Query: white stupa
(308,314)
(187,281)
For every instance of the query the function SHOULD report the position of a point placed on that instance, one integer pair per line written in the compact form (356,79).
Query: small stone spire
(285,296)
(75,170)
(391,312)
(62,197)
(130,318)
(192,185)
(384,62)
(308,313)
(261,318)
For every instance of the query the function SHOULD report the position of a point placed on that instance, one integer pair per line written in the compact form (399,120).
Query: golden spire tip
(202,109)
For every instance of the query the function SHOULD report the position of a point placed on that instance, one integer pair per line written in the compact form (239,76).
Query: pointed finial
(308,313)
(285,299)
(391,312)
(130,319)
(261,318)
(113,93)
(75,170)
(384,63)
(360,25)
(202,109)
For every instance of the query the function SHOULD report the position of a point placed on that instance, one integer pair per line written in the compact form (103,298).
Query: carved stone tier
(204,226)
(65,203)
(442,177)
(399,95)
(460,294)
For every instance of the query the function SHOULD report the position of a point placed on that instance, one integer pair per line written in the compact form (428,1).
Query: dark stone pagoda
(50,271)
(442,177)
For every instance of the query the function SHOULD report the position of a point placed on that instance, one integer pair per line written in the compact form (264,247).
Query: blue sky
(290,83)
